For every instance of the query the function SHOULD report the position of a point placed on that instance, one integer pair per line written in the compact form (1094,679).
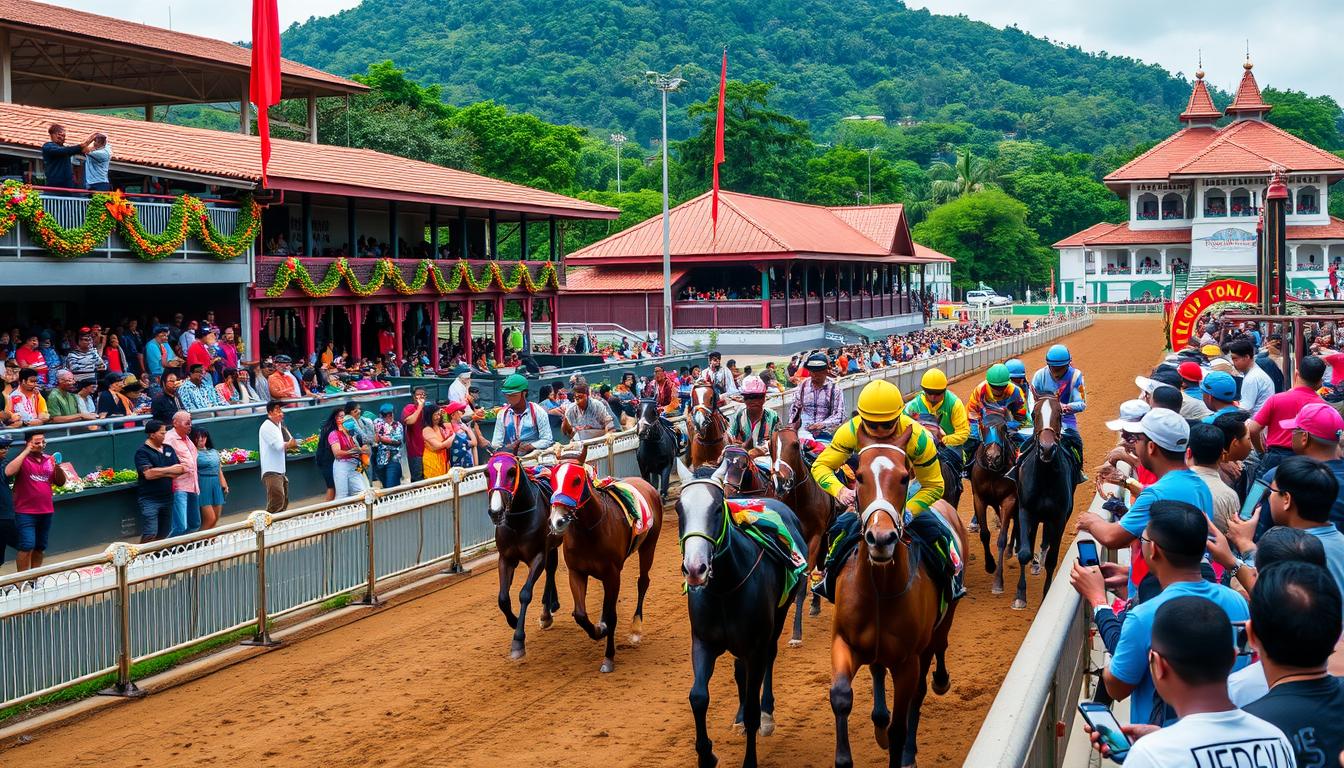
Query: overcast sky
(1292,43)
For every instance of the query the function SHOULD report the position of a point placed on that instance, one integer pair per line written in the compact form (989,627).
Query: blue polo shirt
(1130,662)
(1178,485)
(1225,409)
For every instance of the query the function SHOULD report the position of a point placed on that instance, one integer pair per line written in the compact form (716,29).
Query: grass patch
(339,601)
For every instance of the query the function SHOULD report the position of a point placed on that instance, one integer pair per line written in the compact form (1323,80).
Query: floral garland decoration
(111,211)
(386,272)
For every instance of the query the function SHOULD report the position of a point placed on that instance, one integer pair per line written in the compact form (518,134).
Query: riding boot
(969,449)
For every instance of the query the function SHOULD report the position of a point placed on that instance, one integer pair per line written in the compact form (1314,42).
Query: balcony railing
(747,313)
(70,209)
(363,268)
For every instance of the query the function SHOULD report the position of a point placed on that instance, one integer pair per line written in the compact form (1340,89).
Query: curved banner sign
(1202,300)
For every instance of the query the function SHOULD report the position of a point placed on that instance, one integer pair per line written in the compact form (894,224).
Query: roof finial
(1247,64)
(1199,71)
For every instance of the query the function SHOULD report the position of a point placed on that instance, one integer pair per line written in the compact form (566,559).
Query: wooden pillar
(306,213)
(788,291)
(393,236)
(6,68)
(356,331)
(498,306)
(433,231)
(806,270)
(765,296)
(554,242)
(312,118)
(310,330)
(554,305)
(464,246)
(398,328)
(253,339)
(837,293)
(434,360)
(522,237)
(350,234)
(468,312)
(492,237)
(245,108)
(527,325)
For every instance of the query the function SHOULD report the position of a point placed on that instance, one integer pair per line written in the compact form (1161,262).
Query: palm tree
(970,174)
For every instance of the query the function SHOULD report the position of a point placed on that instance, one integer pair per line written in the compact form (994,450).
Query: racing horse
(707,426)
(887,608)
(658,448)
(598,539)
(742,477)
(814,507)
(990,487)
(519,506)
(1045,494)
(737,604)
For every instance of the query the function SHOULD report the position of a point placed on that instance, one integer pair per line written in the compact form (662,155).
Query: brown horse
(814,507)
(707,426)
(598,539)
(887,607)
(992,488)
(741,476)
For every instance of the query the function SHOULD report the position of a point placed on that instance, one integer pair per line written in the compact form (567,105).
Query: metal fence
(80,619)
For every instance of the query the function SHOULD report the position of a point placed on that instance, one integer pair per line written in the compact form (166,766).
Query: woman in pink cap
(464,437)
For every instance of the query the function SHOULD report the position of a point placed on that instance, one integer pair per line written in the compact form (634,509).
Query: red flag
(265,85)
(718,142)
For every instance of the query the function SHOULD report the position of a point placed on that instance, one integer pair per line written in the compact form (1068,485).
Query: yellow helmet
(880,401)
(933,379)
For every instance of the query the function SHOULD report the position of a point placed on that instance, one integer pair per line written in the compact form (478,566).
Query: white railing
(71,210)
(82,619)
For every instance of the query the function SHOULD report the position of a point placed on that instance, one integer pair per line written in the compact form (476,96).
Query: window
(1147,208)
(1241,203)
(1308,202)
(1215,203)
(1173,207)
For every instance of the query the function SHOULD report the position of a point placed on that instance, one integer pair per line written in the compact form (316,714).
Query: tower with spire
(1248,104)
(1200,110)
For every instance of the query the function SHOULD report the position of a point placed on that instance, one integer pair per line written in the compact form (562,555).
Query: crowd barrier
(81,619)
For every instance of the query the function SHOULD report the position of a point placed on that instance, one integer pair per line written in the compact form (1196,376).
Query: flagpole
(666,83)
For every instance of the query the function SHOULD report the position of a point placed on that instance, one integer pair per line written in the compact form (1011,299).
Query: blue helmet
(1016,369)
(1058,355)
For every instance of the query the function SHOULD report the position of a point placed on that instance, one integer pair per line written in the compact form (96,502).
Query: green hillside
(581,62)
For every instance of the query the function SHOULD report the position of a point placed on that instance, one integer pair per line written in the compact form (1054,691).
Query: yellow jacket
(950,414)
(921,450)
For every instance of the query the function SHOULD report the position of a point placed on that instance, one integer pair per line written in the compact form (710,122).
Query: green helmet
(997,375)
(514,384)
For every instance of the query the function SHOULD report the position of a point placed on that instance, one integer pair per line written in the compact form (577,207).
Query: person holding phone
(1190,658)
(34,473)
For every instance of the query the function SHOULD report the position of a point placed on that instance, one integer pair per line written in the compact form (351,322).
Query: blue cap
(386,408)
(1219,385)
(1058,355)
(1016,368)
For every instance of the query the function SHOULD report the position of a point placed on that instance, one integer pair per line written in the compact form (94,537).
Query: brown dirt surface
(429,682)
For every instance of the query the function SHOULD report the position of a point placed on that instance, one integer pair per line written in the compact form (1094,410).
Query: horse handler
(881,416)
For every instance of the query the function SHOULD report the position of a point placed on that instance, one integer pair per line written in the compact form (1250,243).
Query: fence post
(370,599)
(455,567)
(260,521)
(610,440)
(121,555)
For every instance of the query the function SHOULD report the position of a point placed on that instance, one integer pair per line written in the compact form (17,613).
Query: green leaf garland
(386,272)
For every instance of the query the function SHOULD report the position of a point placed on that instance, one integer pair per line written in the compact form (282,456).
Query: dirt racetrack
(429,683)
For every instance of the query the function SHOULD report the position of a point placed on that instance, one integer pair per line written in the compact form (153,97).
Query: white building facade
(1194,204)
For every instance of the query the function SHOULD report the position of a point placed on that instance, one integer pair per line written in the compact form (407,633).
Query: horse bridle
(882,504)
(717,549)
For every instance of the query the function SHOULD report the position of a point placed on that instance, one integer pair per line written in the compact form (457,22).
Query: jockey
(520,427)
(881,417)
(1061,379)
(1017,373)
(818,407)
(997,392)
(944,416)
(754,426)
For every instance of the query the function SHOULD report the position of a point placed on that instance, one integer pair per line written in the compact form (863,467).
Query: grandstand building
(1194,203)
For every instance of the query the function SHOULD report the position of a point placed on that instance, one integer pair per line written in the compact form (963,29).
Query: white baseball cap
(1131,413)
(1164,427)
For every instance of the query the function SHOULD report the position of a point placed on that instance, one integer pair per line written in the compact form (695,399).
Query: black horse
(658,447)
(520,508)
(1044,495)
(737,604)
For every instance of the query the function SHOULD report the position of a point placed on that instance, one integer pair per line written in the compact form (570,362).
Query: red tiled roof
(751,226)
(1248,97)
(1247,146)
(101,30)
(1121,234)
(1332,231)
(617,279)
(1201,104)
(925,253)
(295,165)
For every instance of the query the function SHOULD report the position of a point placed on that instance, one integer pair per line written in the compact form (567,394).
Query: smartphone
(1243,639)
(1099,717)
(1253,498)
(1087,553)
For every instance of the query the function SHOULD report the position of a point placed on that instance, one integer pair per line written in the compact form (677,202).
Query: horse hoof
(815,610)
(883,740)
(1019,604)
(517,654)
(996,590)
(973,527)
(600,631)
(634,640)
(546,622)
(767,724)
(740,728)
(796,642)
(1035,569)
(990,566)
(941,685)
(607,666)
